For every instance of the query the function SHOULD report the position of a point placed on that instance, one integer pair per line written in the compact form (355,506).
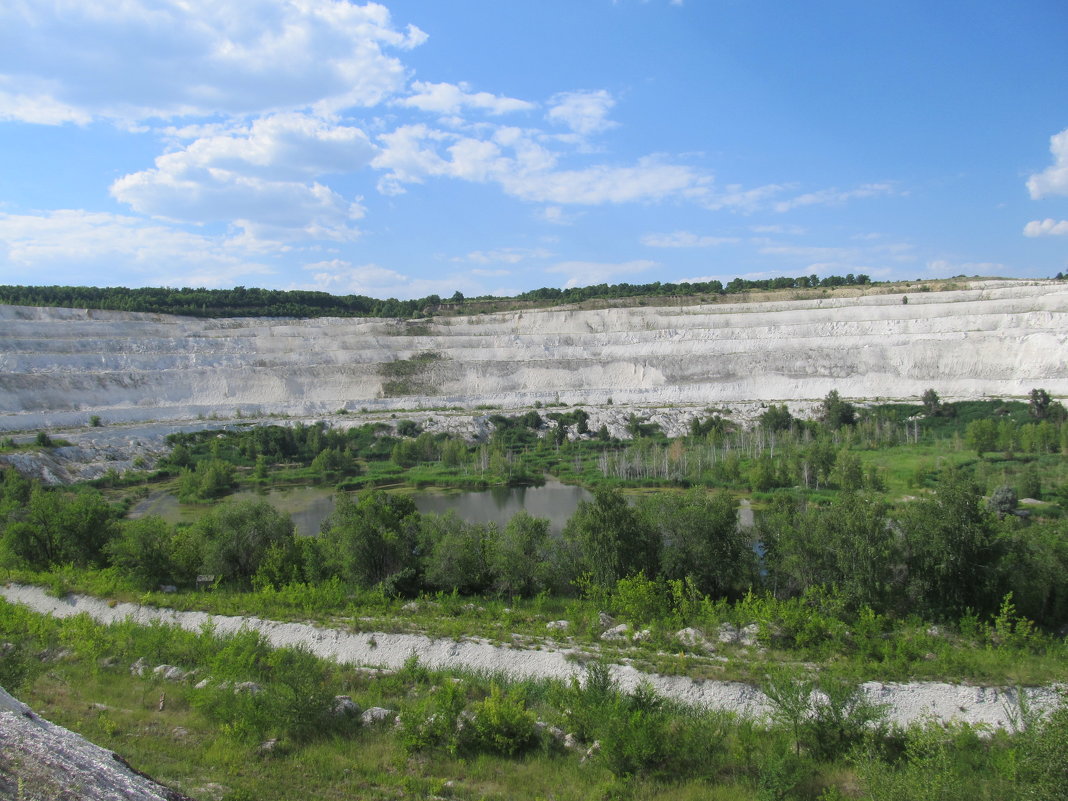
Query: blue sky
(494,146)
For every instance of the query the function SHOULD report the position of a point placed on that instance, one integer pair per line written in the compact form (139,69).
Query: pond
(310,506)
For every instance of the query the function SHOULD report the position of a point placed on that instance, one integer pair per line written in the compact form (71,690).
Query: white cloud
(835,196)
(195,57)
(1046,227)
(733,196)
(945,268)
(71,246)
(786,230)
(447,98)
(288,146)
(503,256)
(585,113)
(256,176)
(555,215)
(872,259)
(685,239)
(1053,180)
(343,278)
(585,273)
(650,179)
(525,169)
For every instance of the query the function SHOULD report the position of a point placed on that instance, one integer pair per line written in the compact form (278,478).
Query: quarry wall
(60,366)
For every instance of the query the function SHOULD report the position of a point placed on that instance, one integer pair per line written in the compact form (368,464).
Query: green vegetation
(243,302)
(266,724)
(887,546)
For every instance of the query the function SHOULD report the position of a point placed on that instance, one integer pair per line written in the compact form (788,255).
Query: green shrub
(501,724)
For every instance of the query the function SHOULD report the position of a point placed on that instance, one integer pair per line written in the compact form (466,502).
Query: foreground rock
(40,760)
(906,702)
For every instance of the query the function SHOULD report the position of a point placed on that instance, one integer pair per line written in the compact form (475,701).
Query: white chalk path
(907,702)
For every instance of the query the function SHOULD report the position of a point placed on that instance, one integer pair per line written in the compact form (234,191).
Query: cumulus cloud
(525,169)
(69,245)
(1046,227)
(584,113)
(685,239)
(447,98)
(584,273)
(256,176)
(197,57)
(1054,179)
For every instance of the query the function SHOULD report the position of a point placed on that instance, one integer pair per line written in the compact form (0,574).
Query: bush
(501,724)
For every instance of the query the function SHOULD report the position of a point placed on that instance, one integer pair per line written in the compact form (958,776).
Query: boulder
(619,632)
(375,714)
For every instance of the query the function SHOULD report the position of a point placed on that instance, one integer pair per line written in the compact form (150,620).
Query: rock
(558,625)
(592,751)
(727,634)
(749,636)
(619,632)
(168,588)
(375,714)
(268,747)
(693,639)
(344,706)
(169,672)
(572,743)
(642,636)
(139,667)
(410,607)
(250,687)
(606,620)
(202,684)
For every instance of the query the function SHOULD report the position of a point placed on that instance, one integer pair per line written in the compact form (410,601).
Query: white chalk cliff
(59,366)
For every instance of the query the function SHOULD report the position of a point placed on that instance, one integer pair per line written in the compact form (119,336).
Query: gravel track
(906,702)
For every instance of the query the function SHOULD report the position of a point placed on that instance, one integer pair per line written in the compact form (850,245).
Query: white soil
(906,702)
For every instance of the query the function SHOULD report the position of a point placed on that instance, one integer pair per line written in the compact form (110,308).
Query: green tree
(237,536)
(776,418)
(848,545)
(613,539)
(374,538)
(932,405)
(1038,403)
(520,560)
(59,527)
(981,435)
(701,540)
(459,555)
(835,412)
(954,551)
(143,551)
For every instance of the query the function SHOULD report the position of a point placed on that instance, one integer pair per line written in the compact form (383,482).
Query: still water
(310,506)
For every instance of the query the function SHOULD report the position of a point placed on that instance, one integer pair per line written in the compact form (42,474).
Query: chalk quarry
(58,367)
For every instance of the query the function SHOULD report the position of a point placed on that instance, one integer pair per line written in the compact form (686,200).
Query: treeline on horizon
(252,302)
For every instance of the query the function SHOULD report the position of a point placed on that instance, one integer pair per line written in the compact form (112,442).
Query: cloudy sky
(493,146)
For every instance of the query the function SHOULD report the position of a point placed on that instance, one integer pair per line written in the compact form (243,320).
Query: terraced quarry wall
(59,366)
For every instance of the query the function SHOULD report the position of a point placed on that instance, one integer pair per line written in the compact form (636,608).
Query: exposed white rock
(43,760)
(376,714)
(558,625)
(694,639)
(908,701)
(620,632)
(59,366)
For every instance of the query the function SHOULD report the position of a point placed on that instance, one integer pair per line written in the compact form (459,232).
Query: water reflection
(310,506)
